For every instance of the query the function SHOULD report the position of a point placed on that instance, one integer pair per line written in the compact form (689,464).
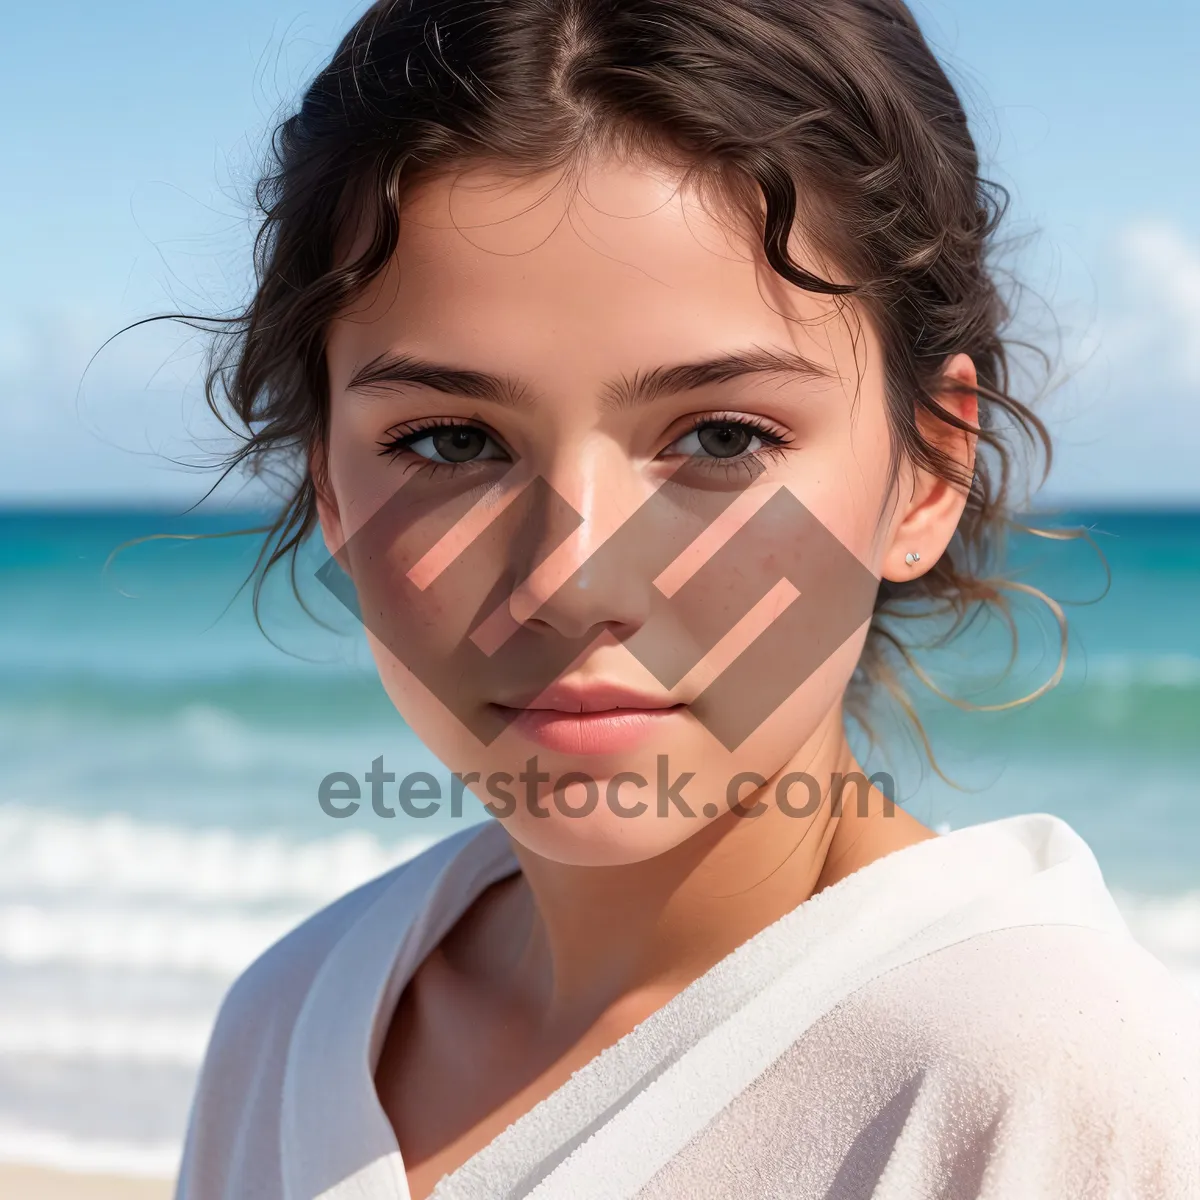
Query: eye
(446,443)
(725,439)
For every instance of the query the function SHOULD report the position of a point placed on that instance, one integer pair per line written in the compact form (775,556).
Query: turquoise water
(159,763)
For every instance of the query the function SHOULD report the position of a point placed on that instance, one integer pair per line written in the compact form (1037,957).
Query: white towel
(966,1018)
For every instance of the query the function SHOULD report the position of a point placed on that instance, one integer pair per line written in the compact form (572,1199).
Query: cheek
(417,591)
(381,554)
(793,671)
(412,637)
(414,587)
(798,718)
(419,620)
(425,711)
(845,484)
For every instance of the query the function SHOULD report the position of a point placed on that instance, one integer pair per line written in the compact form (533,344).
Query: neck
(595,940)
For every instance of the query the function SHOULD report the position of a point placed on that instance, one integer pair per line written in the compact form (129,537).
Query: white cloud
(1126,426)
(1161,313)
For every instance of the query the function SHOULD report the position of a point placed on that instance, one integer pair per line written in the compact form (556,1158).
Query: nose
(574,577)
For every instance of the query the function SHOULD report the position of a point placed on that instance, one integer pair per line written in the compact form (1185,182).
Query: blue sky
(132,130)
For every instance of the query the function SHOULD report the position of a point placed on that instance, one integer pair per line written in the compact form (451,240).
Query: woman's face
(585,449)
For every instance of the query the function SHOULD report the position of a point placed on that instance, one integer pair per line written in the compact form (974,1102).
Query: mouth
(592,718)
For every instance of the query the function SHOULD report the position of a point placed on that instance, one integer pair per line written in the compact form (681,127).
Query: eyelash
(402,437)
(774,442)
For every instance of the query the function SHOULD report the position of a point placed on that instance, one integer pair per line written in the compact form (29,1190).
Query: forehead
(624,262)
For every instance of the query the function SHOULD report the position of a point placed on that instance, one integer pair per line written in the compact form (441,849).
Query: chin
(601,839)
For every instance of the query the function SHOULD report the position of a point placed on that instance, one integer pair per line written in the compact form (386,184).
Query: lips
(593,718)
(596,697)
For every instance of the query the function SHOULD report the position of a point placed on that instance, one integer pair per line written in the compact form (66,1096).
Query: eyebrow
(619,393)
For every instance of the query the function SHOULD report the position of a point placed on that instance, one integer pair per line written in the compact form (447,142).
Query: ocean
(160,757)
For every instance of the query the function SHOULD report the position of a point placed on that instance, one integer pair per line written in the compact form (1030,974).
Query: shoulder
(1039,1062)
(1065,991)
(1077,1048)
(268,994)
(231,1147)
(271,990)
(1015,1001)
(232,1131)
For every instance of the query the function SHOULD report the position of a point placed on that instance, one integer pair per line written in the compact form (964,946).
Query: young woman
(640,363)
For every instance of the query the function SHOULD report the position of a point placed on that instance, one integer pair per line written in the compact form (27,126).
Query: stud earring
(912,557)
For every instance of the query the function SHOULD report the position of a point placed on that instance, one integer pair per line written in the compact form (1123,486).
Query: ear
(930,507)
(327,508)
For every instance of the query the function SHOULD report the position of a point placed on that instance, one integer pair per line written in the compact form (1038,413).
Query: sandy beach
(37,1183)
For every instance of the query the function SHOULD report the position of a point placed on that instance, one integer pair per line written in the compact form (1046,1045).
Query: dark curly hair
(752,97)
